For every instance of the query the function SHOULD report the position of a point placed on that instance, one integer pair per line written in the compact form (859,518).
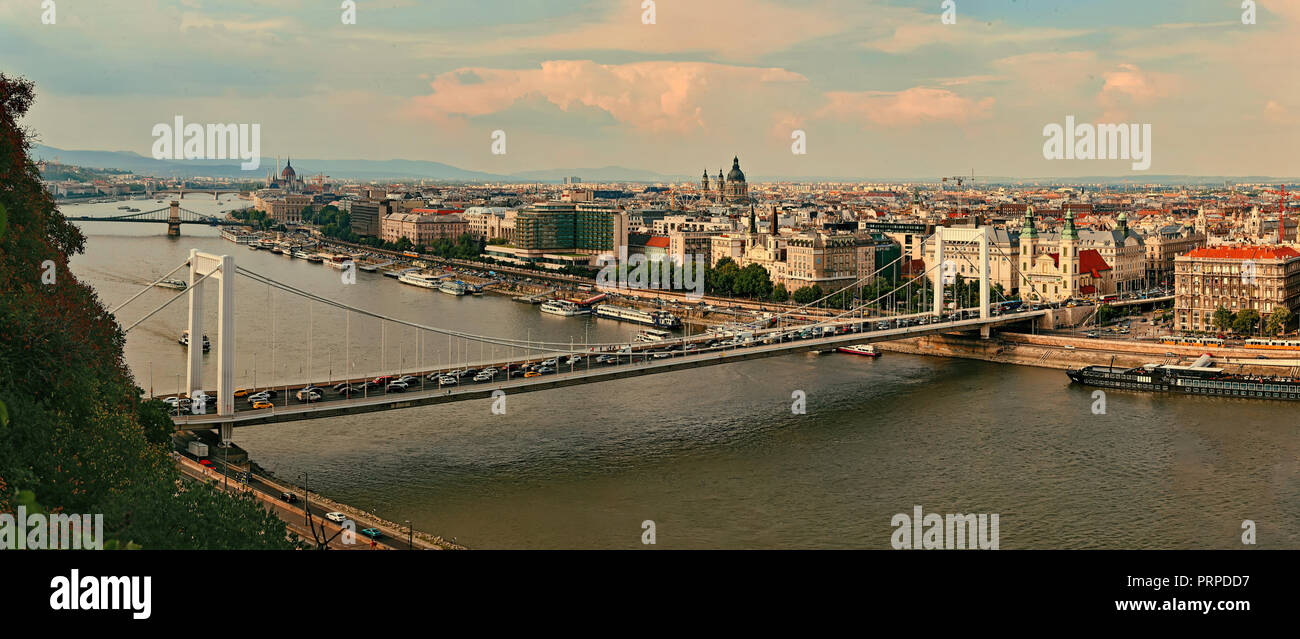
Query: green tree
(1278,320)
(807,294)
(1105,313)
(1223,319)
(780,294)
(1246,321)
(78,435)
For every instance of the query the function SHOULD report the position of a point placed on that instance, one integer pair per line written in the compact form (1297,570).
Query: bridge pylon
(222,268)
(174,220)
(942,274)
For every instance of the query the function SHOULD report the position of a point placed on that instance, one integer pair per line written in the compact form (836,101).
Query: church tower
(1069,257)
(1028,243)
(1121,225)
(722,187)
(704,185)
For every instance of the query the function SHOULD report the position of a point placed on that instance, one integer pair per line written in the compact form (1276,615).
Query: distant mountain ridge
(429,170)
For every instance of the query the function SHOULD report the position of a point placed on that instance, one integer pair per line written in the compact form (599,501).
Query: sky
(881,88)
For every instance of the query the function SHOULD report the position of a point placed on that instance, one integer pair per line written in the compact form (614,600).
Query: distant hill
(360,169)
(427,170)
(367,169)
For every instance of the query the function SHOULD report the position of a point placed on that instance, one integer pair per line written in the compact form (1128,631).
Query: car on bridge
(310,394)
(241,392)
(396,387)
(532,374)
(259,405)
(448,380)
(288,497)
(483,377)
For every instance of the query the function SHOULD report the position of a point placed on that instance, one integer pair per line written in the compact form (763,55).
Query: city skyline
(891,92)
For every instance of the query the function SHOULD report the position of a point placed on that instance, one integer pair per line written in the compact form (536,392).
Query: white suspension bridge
(543,365)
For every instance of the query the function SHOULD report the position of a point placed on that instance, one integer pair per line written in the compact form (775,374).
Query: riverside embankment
(1053,351)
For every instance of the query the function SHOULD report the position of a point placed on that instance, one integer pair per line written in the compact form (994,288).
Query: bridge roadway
(631,364)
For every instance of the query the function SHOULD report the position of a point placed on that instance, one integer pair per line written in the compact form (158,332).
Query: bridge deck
(589,372)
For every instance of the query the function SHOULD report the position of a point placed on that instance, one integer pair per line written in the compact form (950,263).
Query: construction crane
(959,179)
(1281,212)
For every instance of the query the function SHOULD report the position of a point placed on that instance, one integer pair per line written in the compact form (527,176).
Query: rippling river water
(713,456)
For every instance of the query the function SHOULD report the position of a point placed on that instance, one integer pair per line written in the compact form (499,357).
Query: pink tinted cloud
(911,107)
(1130,86)
(650,96)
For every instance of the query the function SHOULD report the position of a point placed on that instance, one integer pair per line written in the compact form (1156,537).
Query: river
(715,456)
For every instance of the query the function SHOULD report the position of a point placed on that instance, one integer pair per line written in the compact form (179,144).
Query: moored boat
(660,319)
(452,288)
(865,350)
(1196,379)
(563,308)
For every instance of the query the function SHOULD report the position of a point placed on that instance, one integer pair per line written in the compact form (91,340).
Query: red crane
(1281,212)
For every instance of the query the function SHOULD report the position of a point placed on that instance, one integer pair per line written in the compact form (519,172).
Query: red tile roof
(1090,261)
(657,241)
(1245,253)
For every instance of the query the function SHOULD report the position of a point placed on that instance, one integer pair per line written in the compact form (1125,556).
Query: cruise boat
(179,285)
(563,308)
(300,254)
(184,340)
(315,258)
(255,245)
(419,279)
(660,319)
(452,288)
(1197,379)
(865,350)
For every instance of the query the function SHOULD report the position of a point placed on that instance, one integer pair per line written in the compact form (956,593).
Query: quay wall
(1049,351)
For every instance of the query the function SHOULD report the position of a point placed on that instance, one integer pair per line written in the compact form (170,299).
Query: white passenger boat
(865,350)
(563,308)
(419,279)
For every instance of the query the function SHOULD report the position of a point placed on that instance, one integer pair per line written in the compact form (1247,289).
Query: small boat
(452,288)
(123,208)
(865,350)
(315,258)
(300,254)
(185,340)
(179,285)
